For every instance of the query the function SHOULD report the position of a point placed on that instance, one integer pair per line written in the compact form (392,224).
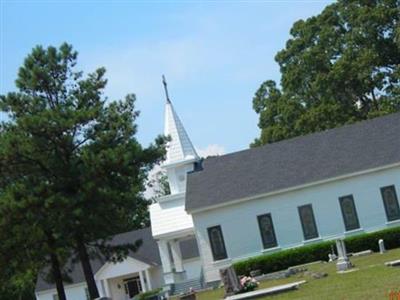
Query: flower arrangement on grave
(248,284)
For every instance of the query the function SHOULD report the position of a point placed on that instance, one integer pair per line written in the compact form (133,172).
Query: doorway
(132,287)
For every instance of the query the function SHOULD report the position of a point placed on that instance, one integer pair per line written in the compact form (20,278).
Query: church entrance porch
(171,257)
(126,287)
(126,279)
(132,286)
(181,263)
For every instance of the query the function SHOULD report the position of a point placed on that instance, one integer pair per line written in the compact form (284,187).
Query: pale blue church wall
(240,227)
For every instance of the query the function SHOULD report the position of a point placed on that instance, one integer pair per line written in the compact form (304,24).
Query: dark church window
(349,212)
(390,201)
(217,242)
(267,231)
(308,222)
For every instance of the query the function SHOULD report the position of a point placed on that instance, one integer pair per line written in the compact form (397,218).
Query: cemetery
(374,278)
(358,275)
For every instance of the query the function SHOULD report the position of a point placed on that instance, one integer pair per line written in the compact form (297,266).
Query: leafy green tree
(75,169)
(160,185)
(338,67)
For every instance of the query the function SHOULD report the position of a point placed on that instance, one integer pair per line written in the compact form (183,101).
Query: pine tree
(74,166)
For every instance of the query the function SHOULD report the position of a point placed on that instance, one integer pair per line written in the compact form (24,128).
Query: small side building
(141,271)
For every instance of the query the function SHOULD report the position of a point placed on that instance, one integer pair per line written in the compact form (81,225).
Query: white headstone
(381,246)
(332,257)
(343,262)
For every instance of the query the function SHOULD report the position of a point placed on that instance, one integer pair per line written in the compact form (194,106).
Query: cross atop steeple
(165,89)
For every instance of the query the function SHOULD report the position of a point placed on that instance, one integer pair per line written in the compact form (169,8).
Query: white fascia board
(294,188)
(140,266)
(171,197)
(175,234)
(182,162)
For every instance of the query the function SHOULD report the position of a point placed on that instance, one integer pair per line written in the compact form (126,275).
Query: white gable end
(127,266)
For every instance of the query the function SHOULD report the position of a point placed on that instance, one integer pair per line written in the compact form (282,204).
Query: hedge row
(284,259)
(148,295)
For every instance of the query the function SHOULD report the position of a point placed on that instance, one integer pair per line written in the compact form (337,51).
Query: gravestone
(332,257)
(188,296)
(343,262)
(363,253)
(394,263)
(381,244)
(230,280)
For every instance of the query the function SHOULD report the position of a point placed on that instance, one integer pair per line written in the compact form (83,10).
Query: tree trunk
(55,266)
(87,270)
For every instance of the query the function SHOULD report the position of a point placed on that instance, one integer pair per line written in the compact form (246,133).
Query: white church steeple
(181,155)
(180,147)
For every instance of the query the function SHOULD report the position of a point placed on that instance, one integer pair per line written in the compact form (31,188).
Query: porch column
(107,288)
(142,283)
(177,256)
(148,279)
(164,255)
(100,287)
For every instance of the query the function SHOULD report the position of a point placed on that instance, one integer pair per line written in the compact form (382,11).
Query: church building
(222,209)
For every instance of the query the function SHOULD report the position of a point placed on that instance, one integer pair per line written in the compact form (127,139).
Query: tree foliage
(338,67)
(74,171)
(160,185)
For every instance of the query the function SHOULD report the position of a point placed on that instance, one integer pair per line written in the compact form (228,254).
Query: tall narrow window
(349,212)
(308,222)
(267,231)
(390,201)
(217,242)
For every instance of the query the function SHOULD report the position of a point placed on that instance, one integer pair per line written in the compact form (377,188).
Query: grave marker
(381,244)
(230,280)
(343,262)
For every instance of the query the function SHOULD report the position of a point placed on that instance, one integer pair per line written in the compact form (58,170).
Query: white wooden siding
(239,221)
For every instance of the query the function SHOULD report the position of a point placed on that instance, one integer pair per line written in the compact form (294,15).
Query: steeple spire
(165,89)
(180,148)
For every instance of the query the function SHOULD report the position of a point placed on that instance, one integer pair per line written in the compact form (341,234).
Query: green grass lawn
(372,280)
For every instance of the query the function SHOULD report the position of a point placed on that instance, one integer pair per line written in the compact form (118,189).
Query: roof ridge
(274,144)
(294,162)
(130,231)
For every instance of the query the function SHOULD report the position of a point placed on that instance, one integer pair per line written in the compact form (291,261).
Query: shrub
(366,241)
(281,260)
(147,295)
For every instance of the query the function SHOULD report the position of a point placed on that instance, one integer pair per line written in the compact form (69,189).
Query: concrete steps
(185,286)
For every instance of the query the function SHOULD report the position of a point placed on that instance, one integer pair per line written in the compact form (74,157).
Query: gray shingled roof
(147,253)
(294,162)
